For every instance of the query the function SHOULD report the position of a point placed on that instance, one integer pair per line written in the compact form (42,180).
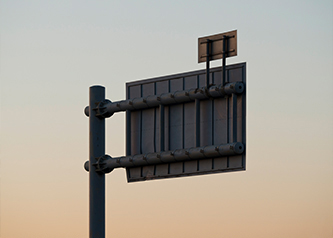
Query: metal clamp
(101,165)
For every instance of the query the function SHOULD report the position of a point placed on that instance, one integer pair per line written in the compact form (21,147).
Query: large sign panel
(220,124)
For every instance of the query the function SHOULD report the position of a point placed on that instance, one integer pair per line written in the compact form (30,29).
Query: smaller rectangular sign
(216,46)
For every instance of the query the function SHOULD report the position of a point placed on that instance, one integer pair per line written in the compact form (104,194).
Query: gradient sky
(52,51)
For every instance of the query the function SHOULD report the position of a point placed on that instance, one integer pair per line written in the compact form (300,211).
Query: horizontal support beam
(217,39)
(107,108)
(106,163)
(218,53)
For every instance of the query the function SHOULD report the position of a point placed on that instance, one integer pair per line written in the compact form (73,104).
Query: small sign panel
(216,46)
(222,121)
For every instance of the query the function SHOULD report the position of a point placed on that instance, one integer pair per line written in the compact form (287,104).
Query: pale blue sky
(51,52)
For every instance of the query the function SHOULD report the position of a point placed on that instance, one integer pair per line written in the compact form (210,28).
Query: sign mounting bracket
(219,46)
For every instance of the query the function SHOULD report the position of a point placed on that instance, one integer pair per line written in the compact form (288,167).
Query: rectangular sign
(216,46)
(222,121)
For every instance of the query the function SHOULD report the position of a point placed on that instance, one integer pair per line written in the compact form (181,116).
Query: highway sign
(183,137)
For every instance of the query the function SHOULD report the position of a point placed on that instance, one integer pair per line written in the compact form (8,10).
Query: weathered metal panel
(222,120)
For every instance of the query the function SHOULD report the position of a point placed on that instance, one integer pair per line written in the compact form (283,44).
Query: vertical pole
(96,180)
(224,58)
(207,63)
(128,132)
(161,111)
(197,123)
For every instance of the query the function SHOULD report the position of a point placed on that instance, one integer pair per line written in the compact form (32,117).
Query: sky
(51,52)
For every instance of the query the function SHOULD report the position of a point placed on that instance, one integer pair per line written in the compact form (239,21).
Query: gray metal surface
(197,123)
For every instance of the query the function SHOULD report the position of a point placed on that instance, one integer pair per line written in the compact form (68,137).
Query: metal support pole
(207,62)
(197,123)
(128,132)
(96,180)
(224,58)
(161,111)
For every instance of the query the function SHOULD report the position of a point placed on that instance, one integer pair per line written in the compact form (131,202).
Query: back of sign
(222,124)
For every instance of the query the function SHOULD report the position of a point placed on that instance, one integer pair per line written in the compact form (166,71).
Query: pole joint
(101,109)
(101,166)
